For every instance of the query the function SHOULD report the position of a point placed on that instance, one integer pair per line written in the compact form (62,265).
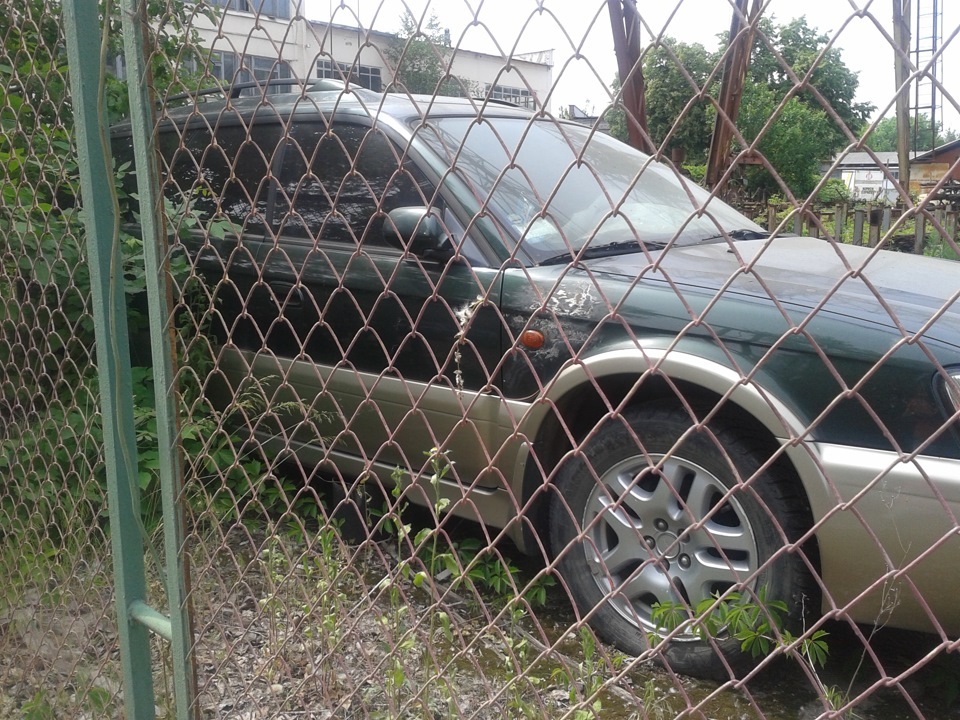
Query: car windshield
(555,187)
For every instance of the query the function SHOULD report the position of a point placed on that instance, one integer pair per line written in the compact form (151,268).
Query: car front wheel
(655,512)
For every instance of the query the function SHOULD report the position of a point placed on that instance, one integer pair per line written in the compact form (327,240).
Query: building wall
(926,174)
(300,44)
(870,184)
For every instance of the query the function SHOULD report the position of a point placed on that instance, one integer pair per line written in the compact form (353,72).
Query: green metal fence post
(83,33)
(159,296)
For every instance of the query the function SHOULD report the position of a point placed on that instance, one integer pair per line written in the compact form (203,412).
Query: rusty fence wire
(482,413)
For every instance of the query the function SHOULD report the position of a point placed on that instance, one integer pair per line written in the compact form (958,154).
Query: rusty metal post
(731,89)
(625,23)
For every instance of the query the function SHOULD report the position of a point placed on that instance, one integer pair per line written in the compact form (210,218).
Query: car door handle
(288,295)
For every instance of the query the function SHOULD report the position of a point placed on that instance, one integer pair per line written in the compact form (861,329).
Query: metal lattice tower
(927,58)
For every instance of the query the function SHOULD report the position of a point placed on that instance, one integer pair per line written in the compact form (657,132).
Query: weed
(38,708)
(320,617)
(519,666)
(589,680)
(756,621)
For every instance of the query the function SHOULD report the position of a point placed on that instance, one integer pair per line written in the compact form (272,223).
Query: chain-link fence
(482,412)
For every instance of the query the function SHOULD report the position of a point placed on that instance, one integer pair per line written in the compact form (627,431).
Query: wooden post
(826,217)
(901,72)
(875,216)
(858,216)
(841,223)
(919,234)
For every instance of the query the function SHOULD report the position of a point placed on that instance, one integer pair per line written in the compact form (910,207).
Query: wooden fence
(913,231)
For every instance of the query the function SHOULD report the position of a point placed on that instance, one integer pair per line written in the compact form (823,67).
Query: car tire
(727,533)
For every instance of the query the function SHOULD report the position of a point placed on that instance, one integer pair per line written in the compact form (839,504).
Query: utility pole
(901,38)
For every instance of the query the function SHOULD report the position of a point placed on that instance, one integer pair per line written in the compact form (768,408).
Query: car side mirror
(419,231)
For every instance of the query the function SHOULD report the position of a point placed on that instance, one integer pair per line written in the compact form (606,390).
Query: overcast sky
(579,33)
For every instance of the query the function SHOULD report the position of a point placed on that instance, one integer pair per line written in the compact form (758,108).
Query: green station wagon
(628,376)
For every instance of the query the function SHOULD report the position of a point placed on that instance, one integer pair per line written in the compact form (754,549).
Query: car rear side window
(222,173)
(338,184)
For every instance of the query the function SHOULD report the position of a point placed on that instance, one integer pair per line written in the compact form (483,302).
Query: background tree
(48,379)
(420,57)
(883,138)
(678,113)
(674,73)
(681,79)
(784,54)
(793,142)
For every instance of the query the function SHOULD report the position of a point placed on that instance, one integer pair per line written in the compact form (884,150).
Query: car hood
(911,293)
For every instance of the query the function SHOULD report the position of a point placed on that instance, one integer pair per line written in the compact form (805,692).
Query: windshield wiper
(739,234)
(591,252)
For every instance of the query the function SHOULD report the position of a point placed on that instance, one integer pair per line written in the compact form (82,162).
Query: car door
(388,351)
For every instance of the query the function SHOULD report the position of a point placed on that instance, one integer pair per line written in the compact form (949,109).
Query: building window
(517,96)
(268,69)
(364,75)
(223,66)
(271,8)
(229,68)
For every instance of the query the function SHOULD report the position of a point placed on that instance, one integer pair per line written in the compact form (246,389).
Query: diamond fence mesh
(483,414)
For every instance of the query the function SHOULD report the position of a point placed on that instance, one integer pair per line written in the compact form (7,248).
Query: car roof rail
(233,91)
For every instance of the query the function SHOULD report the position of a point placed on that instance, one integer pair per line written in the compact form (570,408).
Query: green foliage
(53,449)
(616,116)
(680,79)
(937,246)
(756,621)
(589,679)
(319,613)
(833,192)
(922,137)
(697,173)
(793,142)
(51,466)
(677,76)
(802,51)
(38,708)
(467,562)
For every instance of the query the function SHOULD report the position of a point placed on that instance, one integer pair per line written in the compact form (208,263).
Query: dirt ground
(291,628)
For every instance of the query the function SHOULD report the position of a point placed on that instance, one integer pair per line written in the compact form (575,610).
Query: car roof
(330,99)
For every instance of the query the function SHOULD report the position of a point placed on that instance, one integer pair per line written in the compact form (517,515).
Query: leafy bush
(697,173)
(834,192)
(51,435)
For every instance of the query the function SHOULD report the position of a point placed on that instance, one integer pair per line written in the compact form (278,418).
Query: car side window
(338,184)
(227,178)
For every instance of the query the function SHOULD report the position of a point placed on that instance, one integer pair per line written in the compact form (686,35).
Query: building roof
(538,57)
(856,160)
(932,154)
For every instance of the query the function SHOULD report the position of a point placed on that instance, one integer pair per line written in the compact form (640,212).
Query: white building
(246,45)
